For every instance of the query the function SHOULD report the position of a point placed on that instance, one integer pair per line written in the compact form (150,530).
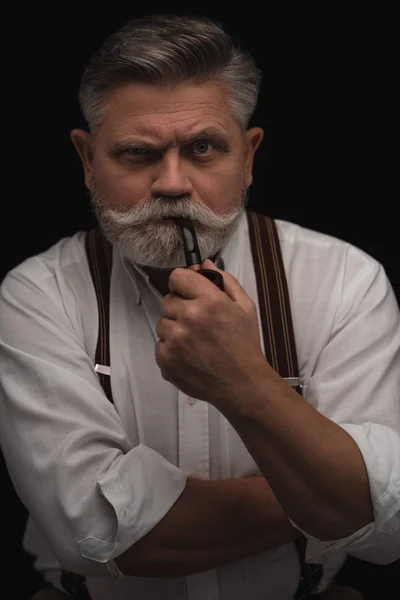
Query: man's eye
(140,155)
(137,151)
(203,148)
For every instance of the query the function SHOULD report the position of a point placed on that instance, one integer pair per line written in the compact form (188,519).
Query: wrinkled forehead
(167,111)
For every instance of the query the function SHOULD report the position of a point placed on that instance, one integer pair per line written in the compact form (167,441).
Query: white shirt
(96,478)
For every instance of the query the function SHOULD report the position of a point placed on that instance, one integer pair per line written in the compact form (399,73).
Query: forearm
(313,465)
(212,523)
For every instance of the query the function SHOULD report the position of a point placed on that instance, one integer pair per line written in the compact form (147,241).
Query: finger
(164,328)
(173,306)
(161,355)
(232,287)
(189,284)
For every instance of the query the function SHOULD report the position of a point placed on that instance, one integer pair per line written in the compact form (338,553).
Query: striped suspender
(276,320)
(273,297)
(279,341)
(99,254)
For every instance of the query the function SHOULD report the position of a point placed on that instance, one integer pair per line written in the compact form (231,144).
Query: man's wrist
(250,391)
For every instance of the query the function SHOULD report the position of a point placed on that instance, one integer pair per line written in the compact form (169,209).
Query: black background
(328,94)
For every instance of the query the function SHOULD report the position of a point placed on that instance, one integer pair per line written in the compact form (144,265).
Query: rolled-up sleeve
(141,487)
(377,542)
(356,383)
(90,493)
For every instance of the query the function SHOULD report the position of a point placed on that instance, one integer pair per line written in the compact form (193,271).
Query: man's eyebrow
(135,142)
(211,133)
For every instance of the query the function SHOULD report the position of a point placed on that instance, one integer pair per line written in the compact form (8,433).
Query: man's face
(164,152)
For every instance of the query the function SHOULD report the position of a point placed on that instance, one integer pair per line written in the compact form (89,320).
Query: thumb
(209,264)
(232,287)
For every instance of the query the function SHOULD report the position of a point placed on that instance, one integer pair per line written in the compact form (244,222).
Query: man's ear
(254,137)
(83,143)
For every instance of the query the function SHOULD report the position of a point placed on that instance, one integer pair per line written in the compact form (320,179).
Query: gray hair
(164,49)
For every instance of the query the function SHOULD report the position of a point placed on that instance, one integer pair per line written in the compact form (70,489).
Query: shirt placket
(194,460)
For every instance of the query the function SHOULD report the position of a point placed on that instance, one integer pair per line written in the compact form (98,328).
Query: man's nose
(171,179)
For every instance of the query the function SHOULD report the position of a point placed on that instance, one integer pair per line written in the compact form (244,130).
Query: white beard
(142,239)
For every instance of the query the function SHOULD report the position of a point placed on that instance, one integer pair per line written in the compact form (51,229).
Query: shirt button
(190,400)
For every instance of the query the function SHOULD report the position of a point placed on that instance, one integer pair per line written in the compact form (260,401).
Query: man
(159,495)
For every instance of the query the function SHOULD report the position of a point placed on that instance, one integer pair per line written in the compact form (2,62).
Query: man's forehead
(212,91)
(187,108)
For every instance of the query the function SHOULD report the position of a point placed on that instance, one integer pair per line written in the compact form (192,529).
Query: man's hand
(209,340)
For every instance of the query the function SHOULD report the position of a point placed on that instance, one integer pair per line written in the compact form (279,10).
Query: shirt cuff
(377,542)
(317,550)
(141,487)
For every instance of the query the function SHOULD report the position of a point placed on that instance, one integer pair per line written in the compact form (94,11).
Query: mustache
(163,207)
